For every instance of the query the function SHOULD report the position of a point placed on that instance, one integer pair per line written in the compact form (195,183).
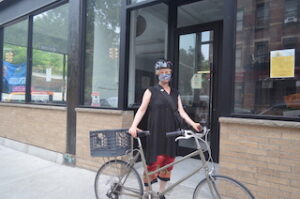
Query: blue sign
(14,77)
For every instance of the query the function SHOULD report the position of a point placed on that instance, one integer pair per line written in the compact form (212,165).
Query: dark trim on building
(173,41)
(82,34)
(1,62)
(29,60)
(74,70)
(227,70)
(216,89)
(124,57)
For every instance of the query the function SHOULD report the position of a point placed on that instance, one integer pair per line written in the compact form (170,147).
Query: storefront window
(102,53)
(49,56)
(14,62)
(267,74)
(148,42)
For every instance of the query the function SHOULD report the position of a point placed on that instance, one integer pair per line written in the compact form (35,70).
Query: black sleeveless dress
(161,120)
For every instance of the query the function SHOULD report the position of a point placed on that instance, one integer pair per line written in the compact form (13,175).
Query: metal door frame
(214,87)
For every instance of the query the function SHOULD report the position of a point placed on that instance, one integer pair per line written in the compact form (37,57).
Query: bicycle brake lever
(186,136)
(181,137)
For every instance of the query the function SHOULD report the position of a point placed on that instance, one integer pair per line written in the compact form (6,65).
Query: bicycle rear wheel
(116,179)
(223,187)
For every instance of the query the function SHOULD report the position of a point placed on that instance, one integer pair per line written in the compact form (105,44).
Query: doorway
(198,58)
(189,33)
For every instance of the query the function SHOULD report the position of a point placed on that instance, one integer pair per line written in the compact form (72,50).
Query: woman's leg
(162,185)
(165,175)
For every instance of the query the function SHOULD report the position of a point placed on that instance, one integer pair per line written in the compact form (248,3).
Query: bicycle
(118,179)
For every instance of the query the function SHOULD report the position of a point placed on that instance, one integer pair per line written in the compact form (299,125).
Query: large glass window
(267,78)
(148,42)
(15,62)
(102,53)
(49,55)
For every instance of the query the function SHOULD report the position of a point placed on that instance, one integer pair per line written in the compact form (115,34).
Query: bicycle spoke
(116,180)
(223,188)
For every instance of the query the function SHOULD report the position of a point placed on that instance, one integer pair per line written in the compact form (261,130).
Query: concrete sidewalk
(23,176)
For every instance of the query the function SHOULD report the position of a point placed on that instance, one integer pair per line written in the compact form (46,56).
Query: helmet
(162,63)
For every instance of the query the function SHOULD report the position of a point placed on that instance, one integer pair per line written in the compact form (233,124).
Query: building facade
(69,67)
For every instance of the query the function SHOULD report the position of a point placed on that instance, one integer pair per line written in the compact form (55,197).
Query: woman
(164,103)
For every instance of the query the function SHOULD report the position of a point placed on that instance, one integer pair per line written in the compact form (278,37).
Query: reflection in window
(15,62)
(50,44)
(261,52)
(256,91)
(262,15)
(102,53)
(291,11)
(239,20)
(195,59)
(148,42)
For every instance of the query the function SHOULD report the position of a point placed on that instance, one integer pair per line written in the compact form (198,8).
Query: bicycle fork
(213,187)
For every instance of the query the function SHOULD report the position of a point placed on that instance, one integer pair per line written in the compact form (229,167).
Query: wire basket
(110,143)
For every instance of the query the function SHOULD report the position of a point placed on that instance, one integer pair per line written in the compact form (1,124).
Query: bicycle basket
(109,143)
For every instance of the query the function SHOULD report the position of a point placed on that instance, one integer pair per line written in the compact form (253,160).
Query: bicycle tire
(227,187)
(116,179)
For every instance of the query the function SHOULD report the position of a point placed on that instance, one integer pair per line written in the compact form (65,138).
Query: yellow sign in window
(282,63)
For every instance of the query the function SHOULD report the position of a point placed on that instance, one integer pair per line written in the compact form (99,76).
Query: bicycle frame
(211,182)
(203,164)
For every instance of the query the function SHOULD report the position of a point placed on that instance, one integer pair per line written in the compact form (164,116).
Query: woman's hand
(133,131)
(197,127)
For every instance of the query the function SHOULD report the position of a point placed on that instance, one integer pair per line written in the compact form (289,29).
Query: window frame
(2,27)
(28,17)
(232,93)
(262,22)
(122,86)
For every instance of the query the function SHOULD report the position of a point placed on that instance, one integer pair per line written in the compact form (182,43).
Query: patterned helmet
(162,63)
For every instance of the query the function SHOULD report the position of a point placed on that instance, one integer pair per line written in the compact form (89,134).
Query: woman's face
(164,75)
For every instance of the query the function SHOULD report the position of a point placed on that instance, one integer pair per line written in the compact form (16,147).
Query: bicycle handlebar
(175,133)
(143,133)
(185,133)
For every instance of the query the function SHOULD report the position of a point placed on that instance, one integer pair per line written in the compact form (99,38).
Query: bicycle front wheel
(221,187)
(116,179)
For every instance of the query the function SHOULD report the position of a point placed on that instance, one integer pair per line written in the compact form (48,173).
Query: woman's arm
(140,113)
(186,117)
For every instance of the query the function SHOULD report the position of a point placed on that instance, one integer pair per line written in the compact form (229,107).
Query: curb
(33,150)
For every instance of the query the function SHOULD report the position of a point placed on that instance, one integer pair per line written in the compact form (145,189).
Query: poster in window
(282,63)
(196,81)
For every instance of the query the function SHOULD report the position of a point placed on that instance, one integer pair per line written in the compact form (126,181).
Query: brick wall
(262,154)
(42,126)
(96,119)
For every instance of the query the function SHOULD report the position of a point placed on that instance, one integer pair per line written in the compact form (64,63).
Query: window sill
(101,111)
(260,122)
(33,106)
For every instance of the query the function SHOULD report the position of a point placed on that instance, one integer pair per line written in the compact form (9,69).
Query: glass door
(195,77)
(195,61)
